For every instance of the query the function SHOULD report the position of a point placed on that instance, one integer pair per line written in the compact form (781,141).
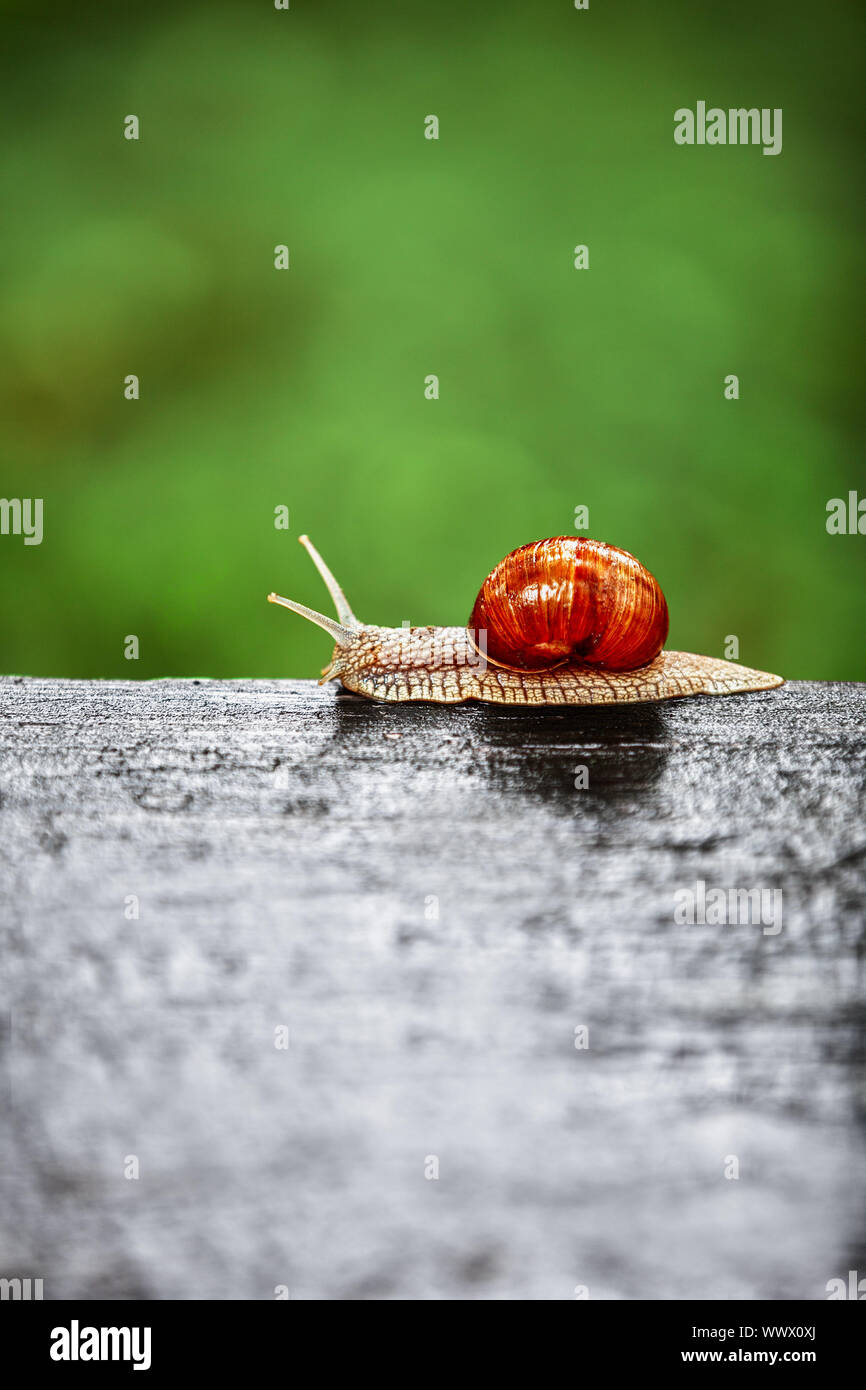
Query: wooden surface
(290,847)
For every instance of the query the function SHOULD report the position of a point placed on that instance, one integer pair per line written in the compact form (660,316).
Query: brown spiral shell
(570,600)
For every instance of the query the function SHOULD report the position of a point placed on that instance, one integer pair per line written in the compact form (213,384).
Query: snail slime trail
(562,621)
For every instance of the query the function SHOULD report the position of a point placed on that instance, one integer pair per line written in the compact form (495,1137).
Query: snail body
(564,621)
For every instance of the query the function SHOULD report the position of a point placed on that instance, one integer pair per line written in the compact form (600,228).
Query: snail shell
(568,599)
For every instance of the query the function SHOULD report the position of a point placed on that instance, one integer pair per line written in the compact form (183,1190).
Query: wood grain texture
(427,902)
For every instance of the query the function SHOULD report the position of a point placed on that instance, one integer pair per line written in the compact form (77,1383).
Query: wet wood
(434,902)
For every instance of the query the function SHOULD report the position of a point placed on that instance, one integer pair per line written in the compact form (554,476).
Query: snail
(564,621)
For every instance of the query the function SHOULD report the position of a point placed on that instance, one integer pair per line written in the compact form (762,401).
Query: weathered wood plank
(427,902)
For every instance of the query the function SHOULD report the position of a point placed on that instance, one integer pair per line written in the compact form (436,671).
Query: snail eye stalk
(344,631)
(341,603)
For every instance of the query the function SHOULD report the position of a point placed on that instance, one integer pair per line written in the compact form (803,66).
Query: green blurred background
(305,388)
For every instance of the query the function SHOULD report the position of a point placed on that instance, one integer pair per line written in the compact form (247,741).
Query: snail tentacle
(341,635)
(341,603)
